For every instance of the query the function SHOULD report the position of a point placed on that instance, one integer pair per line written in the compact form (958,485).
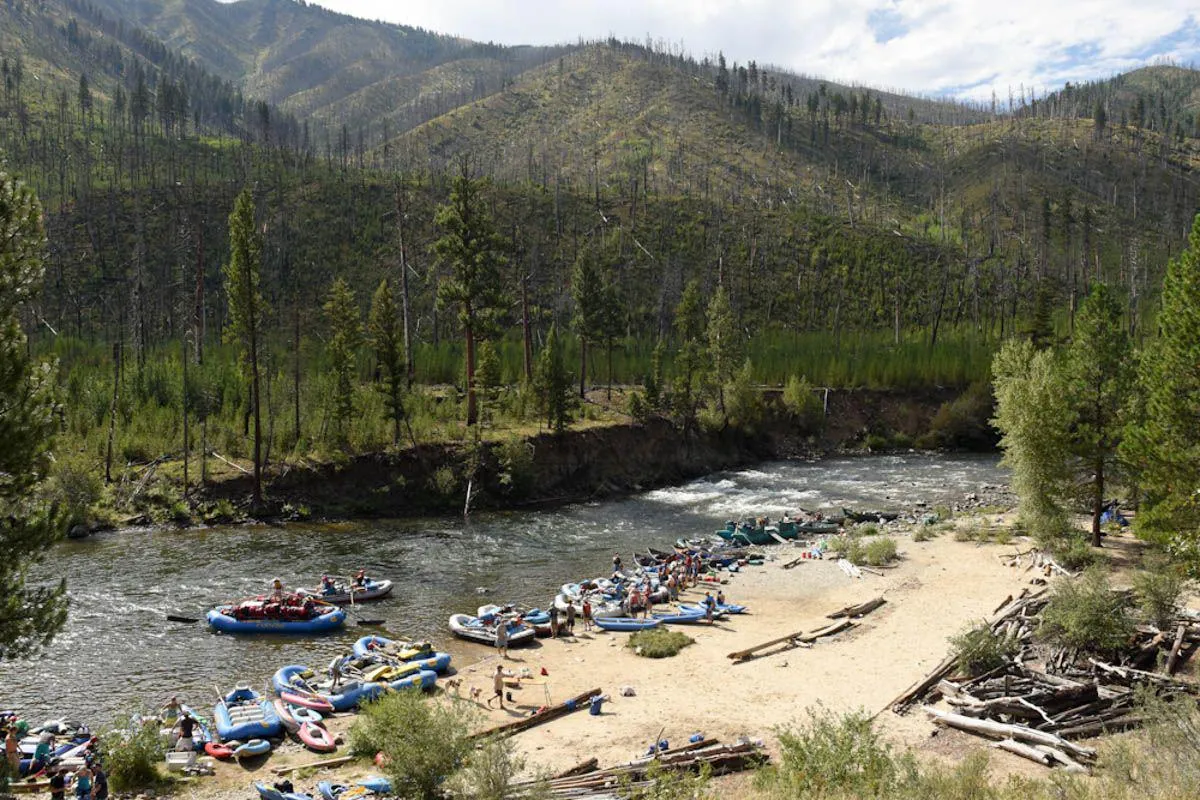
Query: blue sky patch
(886,24)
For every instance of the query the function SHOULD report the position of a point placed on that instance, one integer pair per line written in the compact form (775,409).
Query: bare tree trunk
(582,367)
(184,403)
(254,398)
(526,333)
(472,406)
(1097,502)
(408,356)
(112,414)
(296,371)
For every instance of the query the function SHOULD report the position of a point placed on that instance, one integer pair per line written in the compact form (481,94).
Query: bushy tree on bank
(29,617)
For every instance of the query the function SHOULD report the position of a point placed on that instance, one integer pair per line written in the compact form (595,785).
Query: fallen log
(1025,751)
(322,764)
(1086,730)
(860,610)
(554,712)
(1173,658)
(1069,764)
(582,768)
(1130,675)
(828,630)
(1002,730)
(742,655)
(910,695)
(794,562)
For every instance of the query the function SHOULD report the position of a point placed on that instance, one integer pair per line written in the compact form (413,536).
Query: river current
(118,651)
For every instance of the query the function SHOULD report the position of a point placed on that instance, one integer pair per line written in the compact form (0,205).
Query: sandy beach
(936,589)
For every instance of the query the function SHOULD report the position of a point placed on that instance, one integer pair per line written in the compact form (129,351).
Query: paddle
(357,619)
(181,618)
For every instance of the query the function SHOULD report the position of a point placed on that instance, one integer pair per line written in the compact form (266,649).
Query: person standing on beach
(587,614)
(12,751)
(497,686)
(571,618)
(502,638)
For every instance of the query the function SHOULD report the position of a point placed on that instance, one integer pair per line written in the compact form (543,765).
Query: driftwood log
(1002,730)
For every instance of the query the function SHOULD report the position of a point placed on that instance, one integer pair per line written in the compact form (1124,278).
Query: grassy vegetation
(132,759)
(660,642)
(979,650)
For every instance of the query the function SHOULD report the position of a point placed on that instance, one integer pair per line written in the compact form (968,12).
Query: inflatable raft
(484,631)
(626,623)
(232,619)
(373,590)
(382,649)
(245,714)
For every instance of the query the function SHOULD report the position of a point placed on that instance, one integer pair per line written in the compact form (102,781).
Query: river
(119,651)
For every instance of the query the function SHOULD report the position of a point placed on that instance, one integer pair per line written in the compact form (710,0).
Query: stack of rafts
(586,780)
(1036,713)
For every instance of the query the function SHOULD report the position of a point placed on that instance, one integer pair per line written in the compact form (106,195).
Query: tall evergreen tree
(29,617)
(1098,383)
(474,252)
(690,357)
(387,339)
(246,308)
(487,379)
(552,384)
(725,346)
(1165,447)
(587,291)
(345,337)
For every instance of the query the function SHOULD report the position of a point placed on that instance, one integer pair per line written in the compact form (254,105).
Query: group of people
(680,572)
(90,780)
(329,582)
(182,725)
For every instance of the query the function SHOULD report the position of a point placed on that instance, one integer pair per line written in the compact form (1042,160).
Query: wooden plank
(582,768)
(992,729)
(324,763)
(741,655)
(554,712)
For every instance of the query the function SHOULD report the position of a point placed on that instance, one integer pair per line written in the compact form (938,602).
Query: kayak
(317,738)
(682,618)
(373,590)
(697,608)
(476,630)
(218,750)
(284,712)
(221,619)
(245,714)
(251,749)
(626,623)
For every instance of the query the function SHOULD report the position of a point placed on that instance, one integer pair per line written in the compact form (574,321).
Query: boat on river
(244,714)
(265,616)
(483,630)
(341,594)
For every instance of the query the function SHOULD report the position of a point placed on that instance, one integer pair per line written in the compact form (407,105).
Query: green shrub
(424,742)
(1073,552)
(1158,595)
(637,407)
(878,552)
(1086,614)
(445,483)
(516,466)
(132,759)
(830,755)
(965,422)
(924,533)
(489,772)
(800,400)
(979,650)
(869,529)
(660,642)
(663,783)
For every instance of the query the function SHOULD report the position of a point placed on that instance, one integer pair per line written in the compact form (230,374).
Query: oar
(357,619)
(181,618)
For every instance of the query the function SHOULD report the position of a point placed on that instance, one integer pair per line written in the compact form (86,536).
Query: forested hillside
(861,237)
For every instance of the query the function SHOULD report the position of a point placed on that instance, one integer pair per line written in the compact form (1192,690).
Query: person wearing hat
(187,725)
(360,578)
(327,585)
(277,589)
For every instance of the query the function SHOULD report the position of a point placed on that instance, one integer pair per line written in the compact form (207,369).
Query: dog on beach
(454,685)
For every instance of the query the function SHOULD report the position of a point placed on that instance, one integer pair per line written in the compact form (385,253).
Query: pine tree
(474,252)
(1033,419)
(1165,447)
(690,358)
(587,291)
(552,384)
(246,309)
(387,339)
(345,337)
(29,617)
(487,380)
(725,346)
(1098,384)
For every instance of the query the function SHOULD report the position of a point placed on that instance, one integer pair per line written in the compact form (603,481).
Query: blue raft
(369,647)
(245,714)
(220,619)
(626,623)
(349,695)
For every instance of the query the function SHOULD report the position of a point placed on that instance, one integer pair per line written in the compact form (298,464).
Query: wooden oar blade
(181,618)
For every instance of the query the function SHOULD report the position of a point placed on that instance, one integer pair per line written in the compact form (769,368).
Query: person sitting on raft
(360,579)
(277,590)
(327,585)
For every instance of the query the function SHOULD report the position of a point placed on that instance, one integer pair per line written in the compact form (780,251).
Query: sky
(958,48)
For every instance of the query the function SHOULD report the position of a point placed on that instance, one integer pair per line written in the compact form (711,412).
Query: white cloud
(963,47)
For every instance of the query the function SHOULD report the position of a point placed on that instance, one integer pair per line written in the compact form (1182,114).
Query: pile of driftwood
(587,780)
(1041,700)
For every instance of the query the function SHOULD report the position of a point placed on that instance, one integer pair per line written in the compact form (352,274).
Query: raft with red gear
(291,613)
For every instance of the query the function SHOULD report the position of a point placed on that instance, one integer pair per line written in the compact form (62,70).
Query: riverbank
(937,588)
(536,470)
